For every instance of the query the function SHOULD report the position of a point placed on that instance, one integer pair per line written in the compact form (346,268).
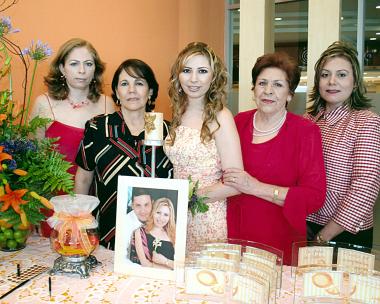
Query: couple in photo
(152,225)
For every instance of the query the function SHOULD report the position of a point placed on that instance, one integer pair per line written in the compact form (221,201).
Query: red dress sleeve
(309,194)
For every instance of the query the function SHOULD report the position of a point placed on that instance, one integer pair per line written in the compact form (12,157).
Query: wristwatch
(276,192)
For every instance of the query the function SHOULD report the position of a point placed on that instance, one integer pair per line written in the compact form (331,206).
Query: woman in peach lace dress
(203,140)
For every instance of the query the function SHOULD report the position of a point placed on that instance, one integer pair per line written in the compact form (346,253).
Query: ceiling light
(372,38)
(278,18)
(378,6)
(378,33)
(341,18)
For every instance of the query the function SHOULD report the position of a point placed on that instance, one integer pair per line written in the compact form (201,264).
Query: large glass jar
(74,228)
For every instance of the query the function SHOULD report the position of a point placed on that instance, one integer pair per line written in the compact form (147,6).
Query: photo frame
(150,213)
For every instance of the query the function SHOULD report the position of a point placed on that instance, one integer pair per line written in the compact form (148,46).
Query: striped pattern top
(109,149)
(351,146)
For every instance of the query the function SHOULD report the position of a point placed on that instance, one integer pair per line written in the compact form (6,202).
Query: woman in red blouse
(351,146)
(284,178)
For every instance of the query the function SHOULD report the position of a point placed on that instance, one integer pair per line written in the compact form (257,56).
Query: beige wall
(151,30)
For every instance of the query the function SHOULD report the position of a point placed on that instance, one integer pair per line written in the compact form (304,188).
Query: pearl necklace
(77,105)
(258,132)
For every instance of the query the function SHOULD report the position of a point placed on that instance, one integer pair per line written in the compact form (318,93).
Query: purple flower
(6,26)
(18,146)
(12,164)
(38,51)
(25,51)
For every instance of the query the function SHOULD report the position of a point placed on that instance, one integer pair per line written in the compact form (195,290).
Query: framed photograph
(151,221)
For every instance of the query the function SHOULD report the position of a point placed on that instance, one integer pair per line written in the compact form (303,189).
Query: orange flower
(3,156)
(20,172)
(2,117)
(12,198)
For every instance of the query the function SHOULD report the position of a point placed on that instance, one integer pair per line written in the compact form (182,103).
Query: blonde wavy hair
(215,96)
(170,226)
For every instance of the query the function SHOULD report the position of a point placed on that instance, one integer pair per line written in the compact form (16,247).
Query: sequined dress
(190,156)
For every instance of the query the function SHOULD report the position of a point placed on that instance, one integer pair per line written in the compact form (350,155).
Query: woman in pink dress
(203,140)
(284,179)
(74,96)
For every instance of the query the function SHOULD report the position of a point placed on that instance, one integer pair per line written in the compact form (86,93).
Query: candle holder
(154,144)
(153,135)
(74,234)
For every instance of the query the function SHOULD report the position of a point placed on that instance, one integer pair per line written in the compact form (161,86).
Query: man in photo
(141,209)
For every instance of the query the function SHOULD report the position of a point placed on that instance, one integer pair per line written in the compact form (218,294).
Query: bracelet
(319,238)
(276,192)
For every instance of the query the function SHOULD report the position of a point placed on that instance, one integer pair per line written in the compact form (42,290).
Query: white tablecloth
(103,286)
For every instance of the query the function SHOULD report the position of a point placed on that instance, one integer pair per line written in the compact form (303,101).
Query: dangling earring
(149,101)
(118,102)
(180,90)
(63,80)
(94,81)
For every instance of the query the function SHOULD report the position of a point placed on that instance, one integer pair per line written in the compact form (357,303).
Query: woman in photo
(155,241)
(112,144)
(351,148)
(284,178)
(74,84)
(203,138)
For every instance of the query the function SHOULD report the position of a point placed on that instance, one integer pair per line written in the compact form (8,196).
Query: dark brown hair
(281,61)
(357,100)
(137,68)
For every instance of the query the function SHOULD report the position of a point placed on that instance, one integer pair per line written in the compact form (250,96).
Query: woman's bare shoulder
(42,106)
(225,118)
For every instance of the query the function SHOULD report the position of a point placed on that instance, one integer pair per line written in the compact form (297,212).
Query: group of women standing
(270,163)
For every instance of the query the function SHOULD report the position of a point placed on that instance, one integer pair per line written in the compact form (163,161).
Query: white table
(104,286)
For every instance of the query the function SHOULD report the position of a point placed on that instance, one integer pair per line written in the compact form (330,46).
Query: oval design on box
(206,278)
(322,280)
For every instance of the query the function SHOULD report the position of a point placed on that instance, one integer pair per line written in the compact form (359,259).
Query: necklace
(79,104)
(258,132)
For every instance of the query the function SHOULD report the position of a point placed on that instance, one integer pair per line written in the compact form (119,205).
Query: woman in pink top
(74,96)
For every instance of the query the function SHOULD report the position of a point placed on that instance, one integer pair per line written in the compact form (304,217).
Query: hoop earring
(118,102)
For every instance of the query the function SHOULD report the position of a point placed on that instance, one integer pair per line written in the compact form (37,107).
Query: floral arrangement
(31,170)
(196,203)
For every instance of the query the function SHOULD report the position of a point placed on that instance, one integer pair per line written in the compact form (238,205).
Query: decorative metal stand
(75,265)
(154,144)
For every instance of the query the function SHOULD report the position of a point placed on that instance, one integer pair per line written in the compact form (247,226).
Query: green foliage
(31,169)
(49,171)
(196,203)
